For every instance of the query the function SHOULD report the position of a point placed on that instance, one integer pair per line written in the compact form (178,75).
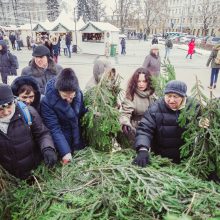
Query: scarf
(4,122)
(142,94)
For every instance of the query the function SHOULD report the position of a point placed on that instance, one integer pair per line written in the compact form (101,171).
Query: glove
(126,129)
(204,123)
(50,157)
(67,158)
(142,159)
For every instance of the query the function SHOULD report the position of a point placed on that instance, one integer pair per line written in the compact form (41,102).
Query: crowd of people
(40,113)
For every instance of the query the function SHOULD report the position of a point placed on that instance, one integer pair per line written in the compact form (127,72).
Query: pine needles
(202,148)
(101,123)
(159,82)
(98,185)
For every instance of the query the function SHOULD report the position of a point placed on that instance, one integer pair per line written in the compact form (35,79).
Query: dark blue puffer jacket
(63,119)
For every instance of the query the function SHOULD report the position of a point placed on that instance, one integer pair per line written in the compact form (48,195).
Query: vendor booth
(99,38)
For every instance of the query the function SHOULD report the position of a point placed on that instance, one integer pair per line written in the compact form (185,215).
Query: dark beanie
(6,94)
(67,81)
(177,87)
(41,51)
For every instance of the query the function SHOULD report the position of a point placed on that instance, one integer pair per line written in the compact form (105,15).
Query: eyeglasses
(6,105)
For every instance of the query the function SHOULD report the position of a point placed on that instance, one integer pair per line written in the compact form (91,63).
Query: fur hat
(67,81)
(41,51)
(177,87)
(6,95)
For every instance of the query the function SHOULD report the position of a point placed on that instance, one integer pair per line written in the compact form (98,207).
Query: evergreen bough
(98,185)
(202,145)
(101,122)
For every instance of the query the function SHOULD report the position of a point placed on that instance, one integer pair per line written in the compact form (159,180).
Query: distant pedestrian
(152,61)
(123,46)
(68,43)
(18,41)
(55,46)
(7,62)
(12,38)
(214,58)
(168,47)
(49,45)
(63,45)
(42,67)
(28,42)
(191,48)
(154,41)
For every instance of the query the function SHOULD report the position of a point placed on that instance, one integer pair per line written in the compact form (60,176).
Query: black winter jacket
(7,62)
(20,149)
(159,129)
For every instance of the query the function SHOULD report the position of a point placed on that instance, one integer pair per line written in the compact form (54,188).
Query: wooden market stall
(99,38)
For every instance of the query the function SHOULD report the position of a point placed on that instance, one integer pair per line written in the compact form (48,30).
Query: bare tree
(93,10)
(122,11)
(208,14)
(154,12)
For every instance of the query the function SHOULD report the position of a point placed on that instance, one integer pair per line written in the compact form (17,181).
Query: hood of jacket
(37,71)
(4,47)
(54,100)
(27,80)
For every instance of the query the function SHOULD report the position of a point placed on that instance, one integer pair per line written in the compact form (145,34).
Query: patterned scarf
(4,122)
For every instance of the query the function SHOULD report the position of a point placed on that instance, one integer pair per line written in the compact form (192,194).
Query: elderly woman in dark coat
(42,67)
(7,62)
(27,90)
(61,109)
(22,145)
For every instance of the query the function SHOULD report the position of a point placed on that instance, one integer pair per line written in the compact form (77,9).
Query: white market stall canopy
(98,27)
(64,23)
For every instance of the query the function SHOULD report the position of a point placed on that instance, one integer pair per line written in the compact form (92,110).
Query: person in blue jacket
(61,109)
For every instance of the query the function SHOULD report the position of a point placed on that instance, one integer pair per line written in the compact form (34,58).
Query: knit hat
(154,47)
(41,51)
(177,87)
(6,94)
(67,81)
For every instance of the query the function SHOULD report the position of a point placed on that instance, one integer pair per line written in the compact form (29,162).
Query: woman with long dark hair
(139,95)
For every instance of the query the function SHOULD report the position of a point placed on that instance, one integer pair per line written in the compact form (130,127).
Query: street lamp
(75,27)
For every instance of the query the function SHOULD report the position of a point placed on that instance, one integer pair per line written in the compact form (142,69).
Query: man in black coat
(7,62)
(22,144)
(159,128)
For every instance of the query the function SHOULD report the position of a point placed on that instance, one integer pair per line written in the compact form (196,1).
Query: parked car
(187,38)
(213,41)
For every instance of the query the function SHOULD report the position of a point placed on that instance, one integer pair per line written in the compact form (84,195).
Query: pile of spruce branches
(99,185)
(201,151)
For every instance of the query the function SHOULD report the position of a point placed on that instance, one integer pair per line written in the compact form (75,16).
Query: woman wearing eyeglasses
(22,145)
(61,109)
(27,90)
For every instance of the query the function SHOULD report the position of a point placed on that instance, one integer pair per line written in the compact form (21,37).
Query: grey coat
(101,65)
(42,76)
(152,64)
(212,57)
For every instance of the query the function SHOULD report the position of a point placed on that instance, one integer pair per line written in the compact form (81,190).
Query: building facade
(18,12)
(197,17)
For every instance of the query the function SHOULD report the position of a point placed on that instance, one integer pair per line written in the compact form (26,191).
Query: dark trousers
(4,77)
(214,76)
(68,49)
(123,50)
